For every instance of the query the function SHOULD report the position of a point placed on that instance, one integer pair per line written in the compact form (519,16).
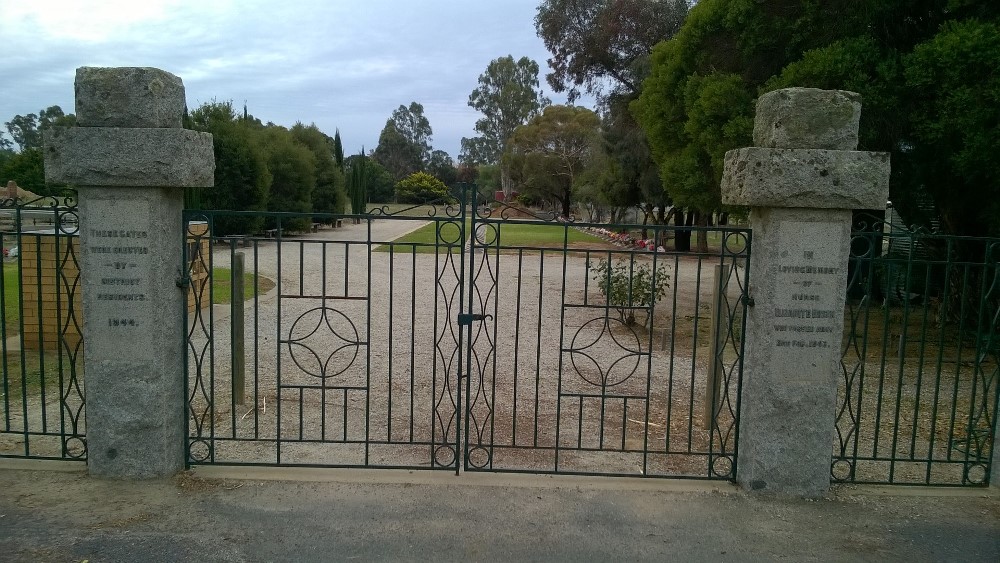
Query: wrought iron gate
(483,340)
(42,402)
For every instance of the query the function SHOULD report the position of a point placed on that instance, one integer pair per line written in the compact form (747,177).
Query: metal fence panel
(918,396)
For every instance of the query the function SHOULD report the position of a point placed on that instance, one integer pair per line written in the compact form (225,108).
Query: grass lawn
(222,285)
(511,235)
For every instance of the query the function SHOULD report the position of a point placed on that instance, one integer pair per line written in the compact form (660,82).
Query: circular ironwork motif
(590,352)
(722,466)
(75,447)
(322,339)
(199,450)
(444,456)
(450,233)
(976,473)
(479,457)
(841,470)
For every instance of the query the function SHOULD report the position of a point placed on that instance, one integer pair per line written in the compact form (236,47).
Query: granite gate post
(130,159)
(802,180)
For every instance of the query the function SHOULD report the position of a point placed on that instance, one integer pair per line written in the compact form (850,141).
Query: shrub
(421,187)
(626,285)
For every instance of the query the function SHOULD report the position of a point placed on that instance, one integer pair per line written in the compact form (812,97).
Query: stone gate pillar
(130,159)
(801,182)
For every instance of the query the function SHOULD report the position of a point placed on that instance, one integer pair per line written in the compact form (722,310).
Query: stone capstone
(820,179)
(808,118)
(109,156)
(128,97)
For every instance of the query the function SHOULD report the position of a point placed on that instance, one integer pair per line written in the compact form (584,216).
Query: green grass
(222,292)
(511,235)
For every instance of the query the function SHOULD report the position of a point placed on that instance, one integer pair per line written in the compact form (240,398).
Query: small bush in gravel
(627,285)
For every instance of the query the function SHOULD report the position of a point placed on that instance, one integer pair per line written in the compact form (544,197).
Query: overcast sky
(337,63)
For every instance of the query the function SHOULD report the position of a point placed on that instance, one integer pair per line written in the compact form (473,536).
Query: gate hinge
(465,319)
(183,280)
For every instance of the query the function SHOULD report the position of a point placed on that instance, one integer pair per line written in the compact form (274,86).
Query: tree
(338,150)
(381,186)
(508,95)
(26,168)
(357,183)
(404,146)
(441,166)
(552,150)
(293,171)
(242,180)
(594,41)
(909,61)
(954,120)
(26,130)
(421,187)
(329,194)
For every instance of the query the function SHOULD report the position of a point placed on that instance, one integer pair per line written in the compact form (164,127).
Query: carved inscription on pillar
(804,308)
(122,257)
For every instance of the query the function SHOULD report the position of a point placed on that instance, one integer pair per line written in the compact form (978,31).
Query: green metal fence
(42,402)
(464,337)
(919,392)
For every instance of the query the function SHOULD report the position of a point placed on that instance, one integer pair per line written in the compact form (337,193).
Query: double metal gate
(463,337)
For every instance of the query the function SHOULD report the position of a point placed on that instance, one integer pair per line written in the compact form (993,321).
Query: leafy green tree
(338,150)
(330,193)
(596,41)
(27,169)
(698,100)
(357,183)
(552,150)
(242,180)
(404,143)
(26,130)
(421,187)
(508,95)
(954,94)
(293,172)
(381,184)
(442,167)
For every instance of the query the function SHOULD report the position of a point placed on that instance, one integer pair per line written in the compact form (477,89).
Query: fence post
(131,160)
(238,335)
(801,181)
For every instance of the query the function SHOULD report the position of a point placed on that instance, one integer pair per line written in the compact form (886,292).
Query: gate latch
(465,319)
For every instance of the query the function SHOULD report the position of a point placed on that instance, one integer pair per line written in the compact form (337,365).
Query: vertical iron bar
(277,343)
(388,413)
(413,336)
(517,342)
(368,347)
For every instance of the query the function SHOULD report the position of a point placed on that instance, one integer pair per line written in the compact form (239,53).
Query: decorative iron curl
(436,208)
(506,211)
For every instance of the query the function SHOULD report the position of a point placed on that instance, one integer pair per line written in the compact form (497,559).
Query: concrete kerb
(519,480)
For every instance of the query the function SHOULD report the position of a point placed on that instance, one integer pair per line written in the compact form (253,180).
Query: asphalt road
(311,515)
